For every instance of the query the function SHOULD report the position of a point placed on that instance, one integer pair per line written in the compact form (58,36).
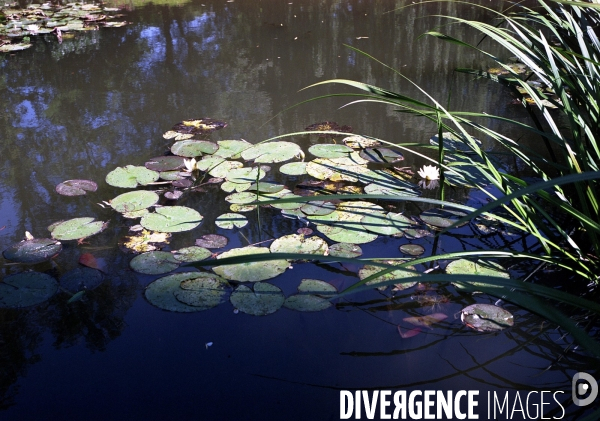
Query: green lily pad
(81,279)
(222,169)
(245,175)
(231,149)
(442,218)
(172,175)
(165,163)
(131,177)
(204,292)
(230,221)
(369,270)
(287,206)
(250,271)
(330,150)
(229,187)
(212,241)
(9,48)
(343,235)
(76,228)
(241,198)
(272,152)
(381,155)
(193,148)
(388,224)
(360,142)
(172,219)
(297,243)
(293,168)
(318,207)
(172,134)
(345,250)
(310,297)
(192,254)
(392,189)
(154,263)
(199,126)
(33,251)
(76,187)
(26,289)
(486,317)
(266,187)
(265,299)
(161,293)
(412,249)
(134,201)
(236,208)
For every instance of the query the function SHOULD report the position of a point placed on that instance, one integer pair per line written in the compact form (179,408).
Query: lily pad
(486,317)
(144,241)
(330,150)
(199,126)
(345,250)
(298,243)
(76,228)
(161,293)
(266,187)
(272,152)
(412,249)
(442,218)
(310,296)
(398,274)
(231,149)
(293,168)
(250,271)
(76,187)
(212,241)
(318,207)
(265,299)
(171,134)
(26,289)
(165,163)
(204,292)
(172,219)
(244,175)
(154,263)
(33,251)
(193,148)
(381,155)
(134,201)
(229,187)
(230,221)
(81,279)
(360,142)
(388,224)
(191,254)
(131,176)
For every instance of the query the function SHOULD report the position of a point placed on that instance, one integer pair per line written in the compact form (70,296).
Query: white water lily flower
(190,164)
(33,28)
(429,172)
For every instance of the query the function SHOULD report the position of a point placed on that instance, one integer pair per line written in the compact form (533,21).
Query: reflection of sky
(155,42)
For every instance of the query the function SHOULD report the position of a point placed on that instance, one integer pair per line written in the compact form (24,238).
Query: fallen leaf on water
(89,260)
(426,321)
(409,333)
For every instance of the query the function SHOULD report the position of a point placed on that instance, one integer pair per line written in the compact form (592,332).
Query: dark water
(103,99)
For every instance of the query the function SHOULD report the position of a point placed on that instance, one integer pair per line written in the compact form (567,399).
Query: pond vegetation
(347,190)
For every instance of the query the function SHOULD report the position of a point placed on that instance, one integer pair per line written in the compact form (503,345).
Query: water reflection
(103,99)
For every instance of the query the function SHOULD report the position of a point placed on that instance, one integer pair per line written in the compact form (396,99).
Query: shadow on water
(103,99)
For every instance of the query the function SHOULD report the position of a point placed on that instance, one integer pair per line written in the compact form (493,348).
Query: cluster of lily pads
(242,169)
(18,25)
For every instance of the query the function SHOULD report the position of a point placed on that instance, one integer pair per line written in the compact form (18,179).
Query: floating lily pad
(222,170)
(251,271)
(272,152)
(330,150)
(381,155)
(171,134)
(76,228)
(33,251)
(486,317)
(81,279)
(241,198)
(193,148)
(212,241)
(397,275)
(231,149)
(26,289)
(161,293)
(173,175)
(388,224)
(310,297)
(328,126)
(134,201)
(235,208)
(165,163)
(293,168)
(393,189)
(145,241)
(289,205)
(229,187)
(265,299)
(442,218)
(9,48)
(192,254)
(230,221)
(318,207)
(297,243)
(131,176)
(76,187)
(266,187)
(412,249)
(480,267)
(201,125)
(204,292)
(345,250)
(245,175)
(327,169)
(154,263)
(172,219)
(360,142)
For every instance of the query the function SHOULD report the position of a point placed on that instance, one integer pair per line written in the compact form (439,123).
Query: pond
(103,99)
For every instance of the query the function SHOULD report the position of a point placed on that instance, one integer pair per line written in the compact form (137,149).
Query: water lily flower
(190,164)
(33,28)
(429,172)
